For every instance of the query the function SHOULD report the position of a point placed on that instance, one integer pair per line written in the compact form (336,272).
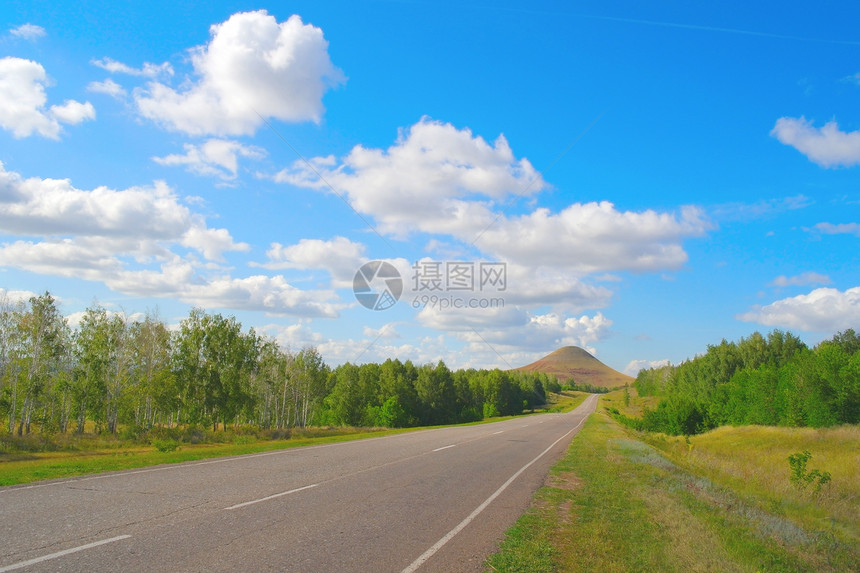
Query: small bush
(165,445)
(276,434)
(802,478)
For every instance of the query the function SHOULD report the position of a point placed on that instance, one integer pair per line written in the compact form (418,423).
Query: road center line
(444,448)
(267,498)
(451,534)
(499,432)
(29,562)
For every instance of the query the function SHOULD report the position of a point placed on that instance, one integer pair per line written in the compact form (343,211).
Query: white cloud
(595,237)
(440,180)
(421,182)
(804,279)
(512,329)
(177,277)
(273,295)
(827,146)
(14,297)
(252,68)
(148,70)
(23,99)
(129,239)
(760,209)
(28,31)
(370,348)
(840,229)
(340,256)
(822,310)
(108,87)
(633,368)
(212,243)
(215,157)
(387,331)
(53,207)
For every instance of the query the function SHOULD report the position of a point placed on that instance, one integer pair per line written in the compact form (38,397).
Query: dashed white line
(267,498)
(499,432)
(22,564)
(451,534)
(444,448)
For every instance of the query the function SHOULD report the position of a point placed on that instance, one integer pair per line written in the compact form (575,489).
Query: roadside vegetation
(122,374)
(41,456)
(725,500)
(769,381)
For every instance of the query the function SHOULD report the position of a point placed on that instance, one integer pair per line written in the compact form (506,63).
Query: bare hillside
(572,362)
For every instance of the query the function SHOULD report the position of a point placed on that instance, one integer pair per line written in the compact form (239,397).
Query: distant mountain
(572,362)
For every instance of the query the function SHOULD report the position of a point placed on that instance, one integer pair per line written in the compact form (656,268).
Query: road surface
(433,500)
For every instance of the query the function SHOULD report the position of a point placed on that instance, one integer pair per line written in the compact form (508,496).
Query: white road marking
(444,448)
(29,562)
(267,498)
(499,432)
(450,535)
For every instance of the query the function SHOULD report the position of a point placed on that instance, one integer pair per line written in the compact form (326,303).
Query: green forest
(773,380)
(111,373)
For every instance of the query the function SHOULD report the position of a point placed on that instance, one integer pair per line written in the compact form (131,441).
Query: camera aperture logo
(377,285)
(438,285)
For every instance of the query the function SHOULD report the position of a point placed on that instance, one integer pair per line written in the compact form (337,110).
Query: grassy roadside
(94,454)
(616,503)
(26,468)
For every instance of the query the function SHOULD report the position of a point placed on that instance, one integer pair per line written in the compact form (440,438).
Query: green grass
(616,503)
(21,468)
(753,461)
(566,401)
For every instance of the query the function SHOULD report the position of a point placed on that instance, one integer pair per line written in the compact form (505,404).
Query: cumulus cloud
(28,31)
(253,68)
(215,157)
(108,87)
(515,329)
(148,70)
(439,179)
(822,310)
(596,237)
(133,241)
(14,297)
(804,279)
(23,100)
(53,207)
(827,146)
(339,256)
(423,181)
(633,368)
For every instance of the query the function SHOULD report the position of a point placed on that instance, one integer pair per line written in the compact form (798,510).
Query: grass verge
(26,468)
(616,503)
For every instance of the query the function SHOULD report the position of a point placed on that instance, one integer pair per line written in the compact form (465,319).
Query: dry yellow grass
(753,460)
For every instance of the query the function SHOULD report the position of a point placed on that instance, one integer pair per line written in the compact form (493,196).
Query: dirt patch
(563,480)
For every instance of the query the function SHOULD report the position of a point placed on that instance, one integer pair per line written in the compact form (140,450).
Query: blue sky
(653,178)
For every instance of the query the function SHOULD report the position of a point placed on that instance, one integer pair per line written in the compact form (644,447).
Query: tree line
(112,371)
(765,380)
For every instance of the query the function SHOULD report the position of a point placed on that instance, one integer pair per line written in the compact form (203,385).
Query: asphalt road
(433,500)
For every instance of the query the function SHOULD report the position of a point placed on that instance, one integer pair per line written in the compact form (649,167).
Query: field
(623,501)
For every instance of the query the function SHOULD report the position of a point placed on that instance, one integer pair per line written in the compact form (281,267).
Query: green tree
(44,336)
(156,390)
